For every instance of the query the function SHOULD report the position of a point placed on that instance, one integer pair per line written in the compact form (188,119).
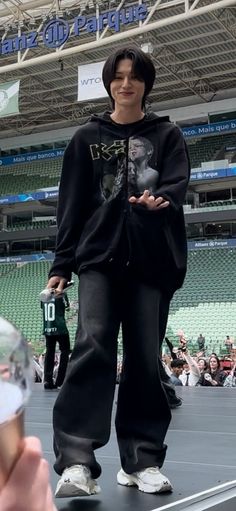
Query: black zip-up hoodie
(104,164)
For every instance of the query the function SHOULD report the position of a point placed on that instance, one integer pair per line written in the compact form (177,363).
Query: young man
(129,250)
(177,367)
(191,372)
(55,330)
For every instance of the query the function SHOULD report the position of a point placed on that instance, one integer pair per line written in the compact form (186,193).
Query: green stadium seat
(28,177)
(206,303)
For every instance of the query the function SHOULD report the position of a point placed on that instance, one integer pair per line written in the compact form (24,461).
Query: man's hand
(149,201)
(57,283)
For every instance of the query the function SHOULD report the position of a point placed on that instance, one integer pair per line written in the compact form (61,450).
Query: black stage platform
(201,451)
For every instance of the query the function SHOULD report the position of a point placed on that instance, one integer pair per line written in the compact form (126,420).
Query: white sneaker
(76,481)
(149,480)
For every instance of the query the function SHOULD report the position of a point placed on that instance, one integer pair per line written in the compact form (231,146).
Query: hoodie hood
(150,117)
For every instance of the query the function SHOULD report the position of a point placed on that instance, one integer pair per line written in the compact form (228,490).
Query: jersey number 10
(49,311)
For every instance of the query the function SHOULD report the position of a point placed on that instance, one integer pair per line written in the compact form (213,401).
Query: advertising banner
(9,98)
(209,129)
(192,245)
(30,157)
(27,258)
(208,174)
(28,197)
(195,245)
(90,85)
(57,31)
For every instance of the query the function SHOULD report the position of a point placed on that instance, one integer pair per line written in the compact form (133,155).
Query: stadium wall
(177,114)
(192,245)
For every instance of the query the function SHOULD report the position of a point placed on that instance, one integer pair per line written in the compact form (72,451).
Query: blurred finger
(159,200)
(61,285)
(163,205)
(33,444)
(53,282)
(49,501)
(142,200)
(26,468)
(132,199)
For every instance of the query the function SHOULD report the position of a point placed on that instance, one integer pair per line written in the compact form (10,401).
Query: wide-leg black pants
(82,412)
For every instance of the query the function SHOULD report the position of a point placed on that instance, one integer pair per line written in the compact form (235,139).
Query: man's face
(186,368)
(126,89)
(178,371)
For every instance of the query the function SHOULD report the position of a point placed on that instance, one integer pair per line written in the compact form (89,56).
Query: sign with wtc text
(90,85)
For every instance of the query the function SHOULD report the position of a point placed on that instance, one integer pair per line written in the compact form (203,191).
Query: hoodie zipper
(128,205)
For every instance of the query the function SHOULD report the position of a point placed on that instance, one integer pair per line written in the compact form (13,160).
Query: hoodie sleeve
(73,204)
(175,171)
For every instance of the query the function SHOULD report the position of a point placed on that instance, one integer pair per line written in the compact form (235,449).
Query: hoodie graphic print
(131,164)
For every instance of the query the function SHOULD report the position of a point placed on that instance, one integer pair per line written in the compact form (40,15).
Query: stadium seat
(206,303)
(28,177)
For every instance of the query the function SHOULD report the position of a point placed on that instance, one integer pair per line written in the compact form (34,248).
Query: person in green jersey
(55,330)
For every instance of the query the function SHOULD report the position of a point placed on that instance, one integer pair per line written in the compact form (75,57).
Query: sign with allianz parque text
(57,31)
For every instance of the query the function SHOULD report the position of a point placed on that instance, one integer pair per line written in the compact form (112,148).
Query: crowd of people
(199,369)
(176,362)
(182,367)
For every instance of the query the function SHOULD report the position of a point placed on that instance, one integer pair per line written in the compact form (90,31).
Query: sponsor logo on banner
(57,31)
(208,174)
(90,85)
(212,244)
(9,99)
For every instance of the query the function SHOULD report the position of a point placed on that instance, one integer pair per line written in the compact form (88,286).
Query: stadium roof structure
(192,42)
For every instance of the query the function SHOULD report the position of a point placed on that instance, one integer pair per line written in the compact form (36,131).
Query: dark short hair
(177,363)
(143,69)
